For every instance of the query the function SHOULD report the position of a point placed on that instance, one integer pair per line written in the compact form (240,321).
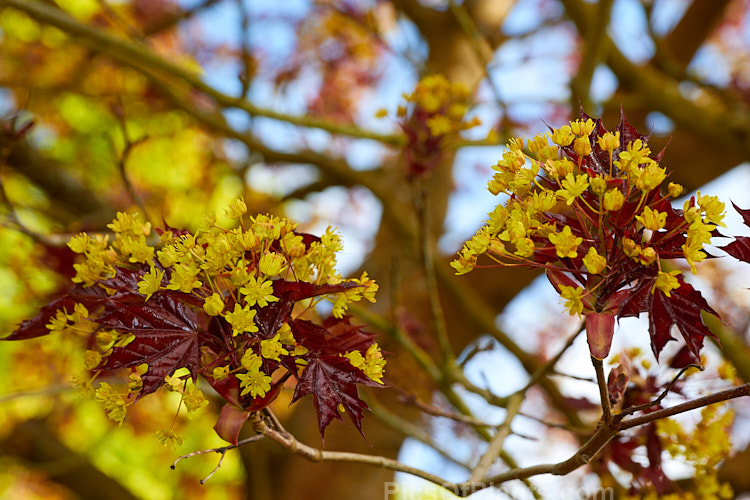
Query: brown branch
(603,391)
(587,452)
(735,392)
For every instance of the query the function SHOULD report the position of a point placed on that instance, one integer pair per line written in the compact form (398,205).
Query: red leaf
(166,338)
(230,422)
(682,309)
(332,381)
(739,248)
(336,336)
(745,213)
(91,297)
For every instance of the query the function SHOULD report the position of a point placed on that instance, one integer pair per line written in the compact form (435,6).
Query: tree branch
(587,452)
(141,58)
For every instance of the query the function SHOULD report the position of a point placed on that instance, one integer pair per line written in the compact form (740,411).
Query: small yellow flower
(236,209)
(573,298)
(563,136)
(150,282)
(220,372)
(256,383)
(91,359)
(582,146)
(652,219)
(565,243)
(594,262)
(169,438)
(598,185)
(258,291)
(573,187)
(613,200)
(213,305)
(582,128)
(666,282)
(610,141)
(674,189)
(193,399)
(272,348)
(271,264)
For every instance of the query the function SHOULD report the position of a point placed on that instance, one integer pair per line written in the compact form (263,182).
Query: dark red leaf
(332,381)
(336,336)
(739,248)
(91,297)
(745,213)
(166,338)
(270,318)
(682,309)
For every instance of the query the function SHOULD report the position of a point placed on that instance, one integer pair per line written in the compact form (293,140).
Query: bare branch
(222,450)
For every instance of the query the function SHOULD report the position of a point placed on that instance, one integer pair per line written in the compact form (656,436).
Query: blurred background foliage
(176,107)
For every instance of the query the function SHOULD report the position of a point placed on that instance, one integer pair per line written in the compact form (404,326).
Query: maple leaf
(166,338)
(682,309)
(332,381)
(739,248)
(90,297)
(336,336)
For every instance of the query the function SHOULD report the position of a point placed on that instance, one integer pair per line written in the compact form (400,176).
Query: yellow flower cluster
(372,363)
(232,272)
(704,447)
(444,104)
(571,196)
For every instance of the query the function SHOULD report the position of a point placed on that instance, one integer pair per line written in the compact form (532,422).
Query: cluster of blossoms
(433,117)
(236,307)
(591,208)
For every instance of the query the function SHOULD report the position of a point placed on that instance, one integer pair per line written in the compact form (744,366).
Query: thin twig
(411,399)
(498,440)
(603,392)
(550,364)
(633,409)
(222,450)
(587,452)
(717,397)
(421,201)
(122,160)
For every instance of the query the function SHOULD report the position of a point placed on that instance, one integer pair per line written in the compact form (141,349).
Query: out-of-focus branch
(32,442)
(172,20)
(593,54)
(141,58)
(498,440)
(724,126)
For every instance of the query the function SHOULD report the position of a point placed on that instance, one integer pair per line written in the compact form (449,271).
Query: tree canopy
(245,227)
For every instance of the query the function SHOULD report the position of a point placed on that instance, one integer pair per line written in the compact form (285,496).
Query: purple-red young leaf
(332,381)
(91,297)
(166,338)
